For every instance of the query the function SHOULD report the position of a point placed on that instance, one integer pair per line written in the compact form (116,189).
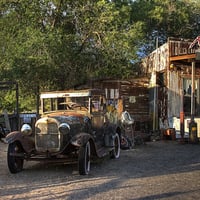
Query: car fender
(27,142)
(81,139)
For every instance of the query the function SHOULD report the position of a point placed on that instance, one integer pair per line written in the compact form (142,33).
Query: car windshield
(75,100)
(64,103)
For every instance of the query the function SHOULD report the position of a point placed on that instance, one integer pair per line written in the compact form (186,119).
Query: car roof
(71,93)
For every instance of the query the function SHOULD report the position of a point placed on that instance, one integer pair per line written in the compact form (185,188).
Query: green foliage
(166,18)
(59,44)
(7,101)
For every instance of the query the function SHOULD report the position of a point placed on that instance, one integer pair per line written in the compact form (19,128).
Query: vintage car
(73,127)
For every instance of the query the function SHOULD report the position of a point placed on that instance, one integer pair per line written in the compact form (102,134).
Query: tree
(166,18)
(59,44)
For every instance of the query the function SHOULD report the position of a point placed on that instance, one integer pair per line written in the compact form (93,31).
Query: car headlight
(26,129)
(64,128)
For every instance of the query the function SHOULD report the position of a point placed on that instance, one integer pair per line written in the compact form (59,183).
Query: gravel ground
(155,170)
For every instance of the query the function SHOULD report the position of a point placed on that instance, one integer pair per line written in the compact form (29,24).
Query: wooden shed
(175,85)
(129,95)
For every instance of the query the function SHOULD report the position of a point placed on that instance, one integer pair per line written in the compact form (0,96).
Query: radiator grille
(47,137)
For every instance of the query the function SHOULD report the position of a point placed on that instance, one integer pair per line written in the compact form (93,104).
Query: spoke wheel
(84,159)
(15,164)
(115,153)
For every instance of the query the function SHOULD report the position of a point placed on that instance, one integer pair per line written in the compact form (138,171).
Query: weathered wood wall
(178,47)
(157,60)
(173,59)
(133,94)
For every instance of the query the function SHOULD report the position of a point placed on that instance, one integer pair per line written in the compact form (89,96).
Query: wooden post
(182,127)
(37,101)
(17,105)
(193,91)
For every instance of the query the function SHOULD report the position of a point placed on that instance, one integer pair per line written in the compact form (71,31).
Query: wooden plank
(182,57)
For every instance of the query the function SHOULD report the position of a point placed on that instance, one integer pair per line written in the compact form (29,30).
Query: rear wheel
(116,149)
(84,159)
(15,164)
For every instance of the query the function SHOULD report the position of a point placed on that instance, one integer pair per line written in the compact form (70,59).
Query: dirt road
(157,170)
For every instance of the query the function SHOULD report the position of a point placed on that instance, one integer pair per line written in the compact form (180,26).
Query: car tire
(84,159)
(15,164)
(115,153)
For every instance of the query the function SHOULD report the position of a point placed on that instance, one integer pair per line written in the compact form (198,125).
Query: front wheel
(84,159)
(116,149)
(15,164)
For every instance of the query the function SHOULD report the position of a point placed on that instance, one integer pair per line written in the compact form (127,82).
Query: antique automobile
(73,127)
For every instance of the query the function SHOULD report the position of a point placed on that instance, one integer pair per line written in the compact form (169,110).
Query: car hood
(70,117)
